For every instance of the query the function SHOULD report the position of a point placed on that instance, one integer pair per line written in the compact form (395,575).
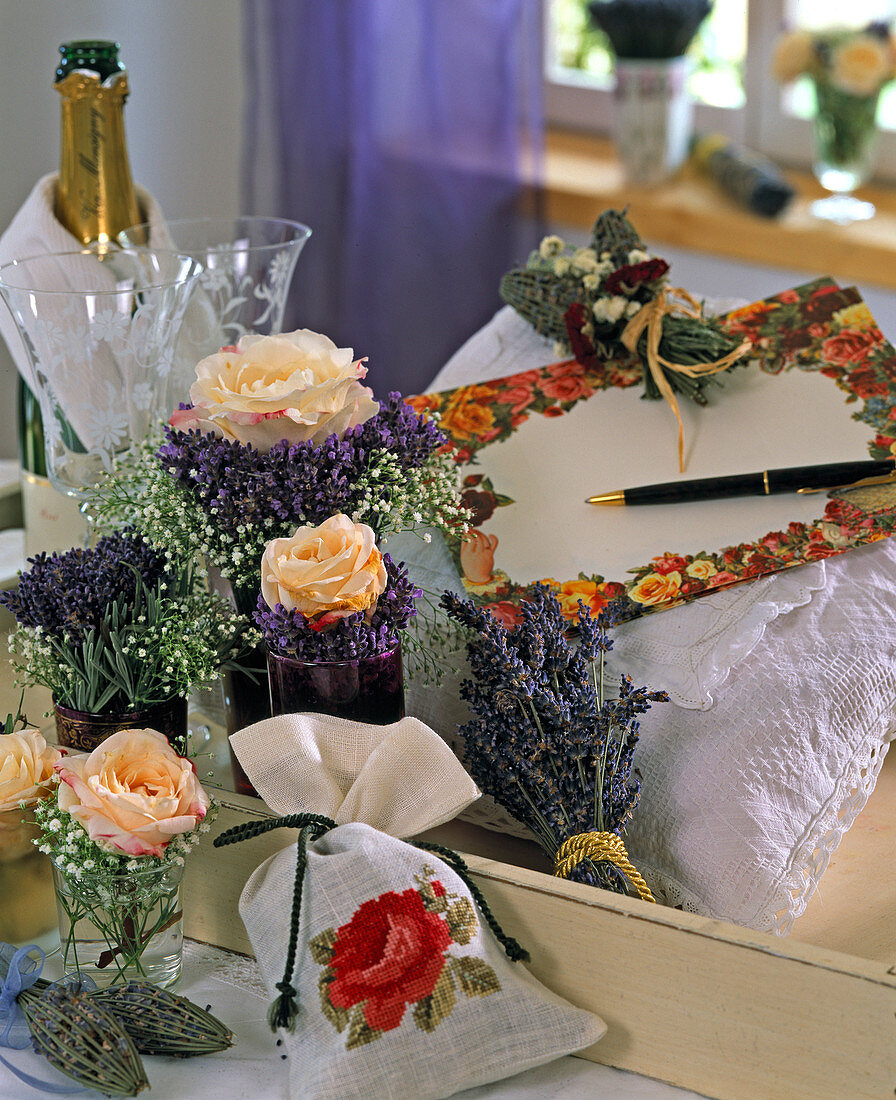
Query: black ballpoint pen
(794,479)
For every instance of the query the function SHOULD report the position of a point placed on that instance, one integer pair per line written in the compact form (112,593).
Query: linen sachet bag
(393,978)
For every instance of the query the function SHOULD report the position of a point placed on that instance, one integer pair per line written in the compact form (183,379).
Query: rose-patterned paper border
(819,326)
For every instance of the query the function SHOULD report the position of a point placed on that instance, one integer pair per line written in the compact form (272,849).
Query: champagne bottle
(95,200)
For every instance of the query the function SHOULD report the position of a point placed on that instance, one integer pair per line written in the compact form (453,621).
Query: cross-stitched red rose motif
(393,953)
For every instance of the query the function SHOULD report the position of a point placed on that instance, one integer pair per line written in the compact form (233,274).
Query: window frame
(763,124)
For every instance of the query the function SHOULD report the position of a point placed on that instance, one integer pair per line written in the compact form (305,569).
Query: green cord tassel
(285,1009)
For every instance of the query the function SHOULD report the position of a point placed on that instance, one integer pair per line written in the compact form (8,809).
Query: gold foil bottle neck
(95,197)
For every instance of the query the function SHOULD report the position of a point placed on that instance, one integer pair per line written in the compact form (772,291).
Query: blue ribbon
(22,971)
(19,970)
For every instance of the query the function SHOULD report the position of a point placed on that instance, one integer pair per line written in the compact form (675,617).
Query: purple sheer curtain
(407,134)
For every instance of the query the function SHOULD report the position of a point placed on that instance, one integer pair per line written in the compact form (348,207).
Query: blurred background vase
(845,135)
(654,117)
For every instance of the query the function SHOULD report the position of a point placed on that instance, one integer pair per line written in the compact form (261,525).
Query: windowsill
(584,177)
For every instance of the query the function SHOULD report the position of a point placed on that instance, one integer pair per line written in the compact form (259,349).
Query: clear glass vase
(845,135)
(368,689)
(117,927)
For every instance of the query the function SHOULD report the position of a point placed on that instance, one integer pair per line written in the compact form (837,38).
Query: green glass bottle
(95,200)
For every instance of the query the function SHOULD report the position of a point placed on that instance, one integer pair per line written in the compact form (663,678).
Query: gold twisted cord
(650,317)
(601,848)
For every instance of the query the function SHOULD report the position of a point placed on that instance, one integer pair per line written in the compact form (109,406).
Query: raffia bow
(650,317)
(600,848)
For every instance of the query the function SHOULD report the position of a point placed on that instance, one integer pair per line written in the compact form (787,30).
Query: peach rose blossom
(296,385)
(26,775)
(654,588)
(132,794)
(326,572)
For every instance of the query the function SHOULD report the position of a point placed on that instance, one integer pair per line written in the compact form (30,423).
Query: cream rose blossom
(26,774)
(325,572)
(296,385)
(133,793)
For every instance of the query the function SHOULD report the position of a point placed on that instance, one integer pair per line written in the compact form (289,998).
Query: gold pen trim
(617,496)
(765,482)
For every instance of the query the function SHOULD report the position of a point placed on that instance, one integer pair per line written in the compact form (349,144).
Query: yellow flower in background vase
(861,64)
(793,55)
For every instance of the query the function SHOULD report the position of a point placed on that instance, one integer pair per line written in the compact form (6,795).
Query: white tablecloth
(254,1069)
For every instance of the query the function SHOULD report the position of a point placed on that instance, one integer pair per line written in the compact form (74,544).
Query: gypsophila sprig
(66,842)
(119,627)
(545,742)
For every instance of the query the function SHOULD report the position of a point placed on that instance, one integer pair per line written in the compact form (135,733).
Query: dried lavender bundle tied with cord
(547,743)
(611,300)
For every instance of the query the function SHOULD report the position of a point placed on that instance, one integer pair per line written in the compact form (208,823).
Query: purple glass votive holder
(367,689)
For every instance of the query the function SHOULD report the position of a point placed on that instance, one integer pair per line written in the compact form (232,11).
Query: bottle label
(53,521)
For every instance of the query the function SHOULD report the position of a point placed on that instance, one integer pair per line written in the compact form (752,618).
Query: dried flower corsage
(612,300)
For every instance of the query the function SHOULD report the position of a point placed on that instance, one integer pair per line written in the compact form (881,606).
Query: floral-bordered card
(820,386)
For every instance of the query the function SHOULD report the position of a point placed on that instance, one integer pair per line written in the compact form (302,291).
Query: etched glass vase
(247,265)
(99,327)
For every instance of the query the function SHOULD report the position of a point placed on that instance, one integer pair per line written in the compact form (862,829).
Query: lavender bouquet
(545,742)
(118,627)
(280,434)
